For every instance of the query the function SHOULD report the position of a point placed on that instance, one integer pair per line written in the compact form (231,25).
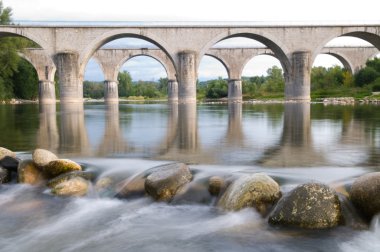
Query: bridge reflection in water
(179,133)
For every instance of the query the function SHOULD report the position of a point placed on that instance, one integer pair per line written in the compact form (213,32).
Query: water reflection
(296,145)
(235,134)
(73,133)
(48,135)
(287,135)
(113,141)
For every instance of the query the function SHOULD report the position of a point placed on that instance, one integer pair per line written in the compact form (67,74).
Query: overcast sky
(268,11)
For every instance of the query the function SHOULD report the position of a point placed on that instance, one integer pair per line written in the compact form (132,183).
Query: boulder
(10,163)
(70,175)
(215,185)
(365,194)
(132,187)
(29,173)
(5,152)
(5,176)
(164,181)
(73,187)
(43,157)
(310,206)
(252,190)
(60,166)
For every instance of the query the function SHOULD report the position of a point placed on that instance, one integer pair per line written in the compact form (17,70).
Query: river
(293,143)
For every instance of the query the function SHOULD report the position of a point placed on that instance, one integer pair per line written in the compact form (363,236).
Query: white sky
(268,11)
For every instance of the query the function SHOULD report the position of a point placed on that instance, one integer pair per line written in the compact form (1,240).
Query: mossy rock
(70,175)
(29,173)
(309,206)
(42,157)
(60,166)
(365,194)
(73,187)
(165,180)
(253,190)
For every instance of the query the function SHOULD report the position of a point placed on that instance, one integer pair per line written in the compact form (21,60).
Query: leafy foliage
(12,65)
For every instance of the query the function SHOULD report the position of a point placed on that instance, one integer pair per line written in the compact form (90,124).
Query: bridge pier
(111,93)
(70,83)
(172,90)
(235,93)
(297,83)
(187,91)
(46,92)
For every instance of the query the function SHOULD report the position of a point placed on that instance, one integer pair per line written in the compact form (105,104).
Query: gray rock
(310,206)
(73,187)
(164,181)
(60,166)
(365,194)
(254,190)
(29,173)
(43,157)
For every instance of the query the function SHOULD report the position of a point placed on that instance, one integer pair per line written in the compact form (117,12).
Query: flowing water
(293,143)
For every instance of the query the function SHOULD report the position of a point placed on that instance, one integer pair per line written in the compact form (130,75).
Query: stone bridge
(68,49)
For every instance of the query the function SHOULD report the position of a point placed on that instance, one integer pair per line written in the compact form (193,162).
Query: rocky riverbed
(310,205)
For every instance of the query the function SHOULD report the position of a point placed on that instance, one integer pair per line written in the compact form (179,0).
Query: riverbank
(374,99)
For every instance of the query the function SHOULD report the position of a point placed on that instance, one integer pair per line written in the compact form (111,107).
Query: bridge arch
(266,52)
(169,69)
(117,34)
(278,48)
(42,63)
(14,32)
(223,62)
(345,62)
(370,35)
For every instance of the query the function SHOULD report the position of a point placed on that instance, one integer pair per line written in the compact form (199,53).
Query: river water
(294,143)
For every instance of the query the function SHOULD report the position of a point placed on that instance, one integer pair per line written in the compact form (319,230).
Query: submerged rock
(164,181)
(60,166)
(70,175)
(253,190)
(73,187)
(311,206)
(5,176)
(5,152)
(215,185)
(365,194)
(43,157)
(29,173)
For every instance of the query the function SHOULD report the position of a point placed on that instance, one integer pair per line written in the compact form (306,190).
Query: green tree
(9,58)
(125,84)
(93,90)
(163,85)
(25,82)
(217,88)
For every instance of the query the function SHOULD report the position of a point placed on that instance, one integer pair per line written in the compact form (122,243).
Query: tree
(5,14)
(125,84)
(10,60)
(25,82)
